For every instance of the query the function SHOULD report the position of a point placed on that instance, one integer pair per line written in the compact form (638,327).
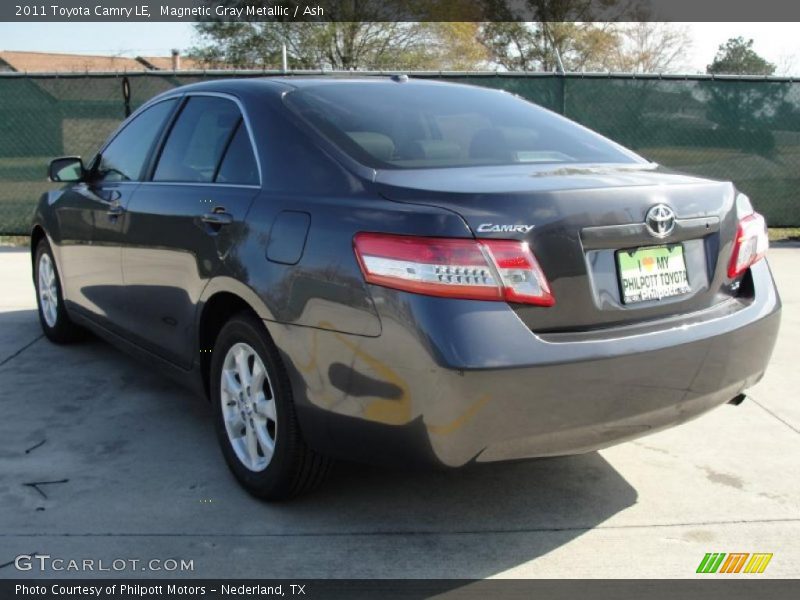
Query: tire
(53,317)
(258,430)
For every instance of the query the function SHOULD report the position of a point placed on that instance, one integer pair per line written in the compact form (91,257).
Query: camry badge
(492,228)
(660,220)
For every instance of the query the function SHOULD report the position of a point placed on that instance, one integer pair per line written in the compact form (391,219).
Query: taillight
(454,267)
(750,245)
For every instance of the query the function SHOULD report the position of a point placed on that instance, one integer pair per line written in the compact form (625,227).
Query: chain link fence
(742,129)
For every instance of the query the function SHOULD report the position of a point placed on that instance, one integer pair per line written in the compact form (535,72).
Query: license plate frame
(653,273)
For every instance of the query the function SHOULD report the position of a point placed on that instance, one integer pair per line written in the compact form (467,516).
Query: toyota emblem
(660,220)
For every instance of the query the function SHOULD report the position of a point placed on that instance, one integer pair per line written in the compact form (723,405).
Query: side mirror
(67,169)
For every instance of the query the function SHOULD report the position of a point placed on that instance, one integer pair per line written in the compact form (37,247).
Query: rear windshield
(413,126)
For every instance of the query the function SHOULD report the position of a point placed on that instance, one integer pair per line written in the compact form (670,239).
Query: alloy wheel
(248,407)
(48,292)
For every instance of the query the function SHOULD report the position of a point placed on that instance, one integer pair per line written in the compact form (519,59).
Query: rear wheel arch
(217,310)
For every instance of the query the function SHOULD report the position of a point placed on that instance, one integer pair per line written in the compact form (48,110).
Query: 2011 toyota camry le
(403,271)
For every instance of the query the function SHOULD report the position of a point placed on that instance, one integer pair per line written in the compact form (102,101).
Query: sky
(779,43)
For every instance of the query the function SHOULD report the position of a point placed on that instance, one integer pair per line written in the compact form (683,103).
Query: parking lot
(100,458)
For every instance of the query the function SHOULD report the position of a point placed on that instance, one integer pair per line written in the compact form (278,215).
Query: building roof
(49,62)
(33,62)
(164,63)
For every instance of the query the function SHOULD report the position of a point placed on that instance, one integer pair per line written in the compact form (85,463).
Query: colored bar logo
(734,562)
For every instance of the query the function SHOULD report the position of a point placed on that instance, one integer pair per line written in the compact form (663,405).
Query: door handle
(219,217)
(110,196)
(114,210)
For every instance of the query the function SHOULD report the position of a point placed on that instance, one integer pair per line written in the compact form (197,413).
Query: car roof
(307,81)
(314,80)
(233,85)
(284,83)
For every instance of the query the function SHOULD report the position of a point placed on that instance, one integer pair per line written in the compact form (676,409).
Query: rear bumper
(449,382)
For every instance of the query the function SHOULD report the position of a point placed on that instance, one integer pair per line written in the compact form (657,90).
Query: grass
(783,234)
(682,155)
(15,240)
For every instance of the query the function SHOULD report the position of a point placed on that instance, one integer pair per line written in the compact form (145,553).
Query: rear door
(183,223)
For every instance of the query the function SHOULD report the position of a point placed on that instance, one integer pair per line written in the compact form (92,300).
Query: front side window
(125,157)
(411,126)
(198,140)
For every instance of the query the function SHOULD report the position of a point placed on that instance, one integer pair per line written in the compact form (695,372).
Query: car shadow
(537,504)
(134,454)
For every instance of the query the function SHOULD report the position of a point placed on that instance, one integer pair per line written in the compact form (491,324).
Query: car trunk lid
(577,220)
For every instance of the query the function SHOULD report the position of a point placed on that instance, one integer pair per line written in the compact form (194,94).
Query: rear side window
(413,125)
(124,158)
(239,163)
(198,140)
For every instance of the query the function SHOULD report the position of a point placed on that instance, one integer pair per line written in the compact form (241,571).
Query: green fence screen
(742,129)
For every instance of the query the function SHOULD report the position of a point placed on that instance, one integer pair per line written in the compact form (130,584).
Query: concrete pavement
(135,473)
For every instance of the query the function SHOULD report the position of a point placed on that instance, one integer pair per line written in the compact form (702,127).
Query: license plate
(652,273)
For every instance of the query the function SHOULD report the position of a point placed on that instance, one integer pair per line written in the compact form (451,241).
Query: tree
(366,36)
(455,47)
(340,46)
(743,110)
(737,57)
(650,47)
(526,46)
(642,47)
(531,35)
(586,34)
(349,45)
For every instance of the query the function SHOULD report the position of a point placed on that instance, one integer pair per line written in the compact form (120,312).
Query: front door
(93,267)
